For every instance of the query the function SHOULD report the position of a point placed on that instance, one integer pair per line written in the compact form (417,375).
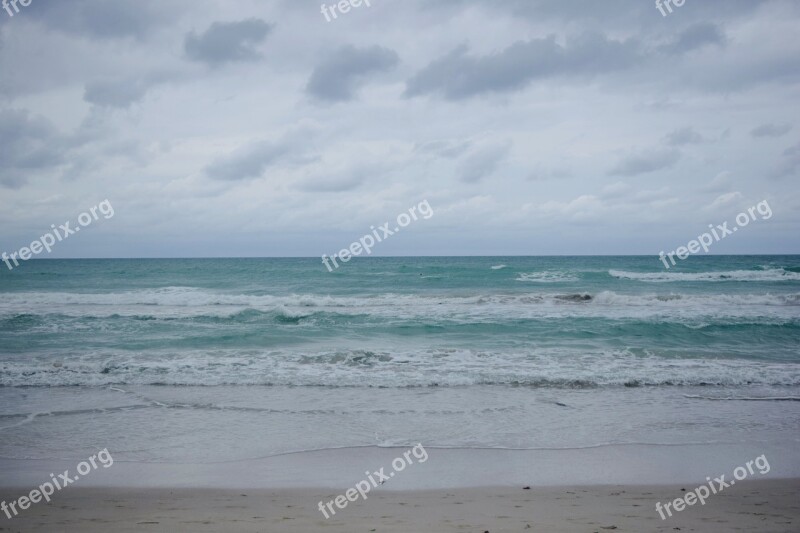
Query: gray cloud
(329,183)
(248,162)
(695,36)
(446,148)
(771,130)
(339,76)
(790,163)
(227,42)
(545,174)
(102,19)
(251,160)
(483,161)
(683,136)
(644,162)
(721,182)
(117,93)
(27,145)
(458,75)
(606,14)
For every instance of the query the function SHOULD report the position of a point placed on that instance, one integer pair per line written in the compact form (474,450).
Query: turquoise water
(207,360)
(539,321)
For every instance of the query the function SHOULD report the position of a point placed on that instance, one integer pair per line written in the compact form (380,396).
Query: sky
(264,128)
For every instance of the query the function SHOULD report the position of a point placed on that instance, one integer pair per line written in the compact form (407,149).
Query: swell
(750,337)
(553,326)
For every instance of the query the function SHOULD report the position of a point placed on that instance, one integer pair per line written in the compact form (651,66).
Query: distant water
(91,338)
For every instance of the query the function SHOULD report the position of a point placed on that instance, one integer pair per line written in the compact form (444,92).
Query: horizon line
(394,256)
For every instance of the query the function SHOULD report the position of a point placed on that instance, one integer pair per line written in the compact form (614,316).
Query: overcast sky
(259,128)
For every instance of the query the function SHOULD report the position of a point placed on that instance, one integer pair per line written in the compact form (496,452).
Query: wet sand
(758,505)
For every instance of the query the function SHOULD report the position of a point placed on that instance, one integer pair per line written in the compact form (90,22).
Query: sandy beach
(452,490)
(757,506)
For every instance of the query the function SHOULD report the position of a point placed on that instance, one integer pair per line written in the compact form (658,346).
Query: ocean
(208,360)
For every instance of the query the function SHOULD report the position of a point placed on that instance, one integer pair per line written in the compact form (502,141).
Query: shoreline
(444,468)
(760,505)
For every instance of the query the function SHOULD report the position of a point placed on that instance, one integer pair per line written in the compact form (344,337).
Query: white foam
(176,302)
(773,274)
(547,276)
(551,367)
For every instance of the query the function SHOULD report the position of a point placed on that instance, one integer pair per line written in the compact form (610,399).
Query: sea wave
(553,368)
(709,300)
(744,398)
(769,274)
(547,276)
(26,309)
